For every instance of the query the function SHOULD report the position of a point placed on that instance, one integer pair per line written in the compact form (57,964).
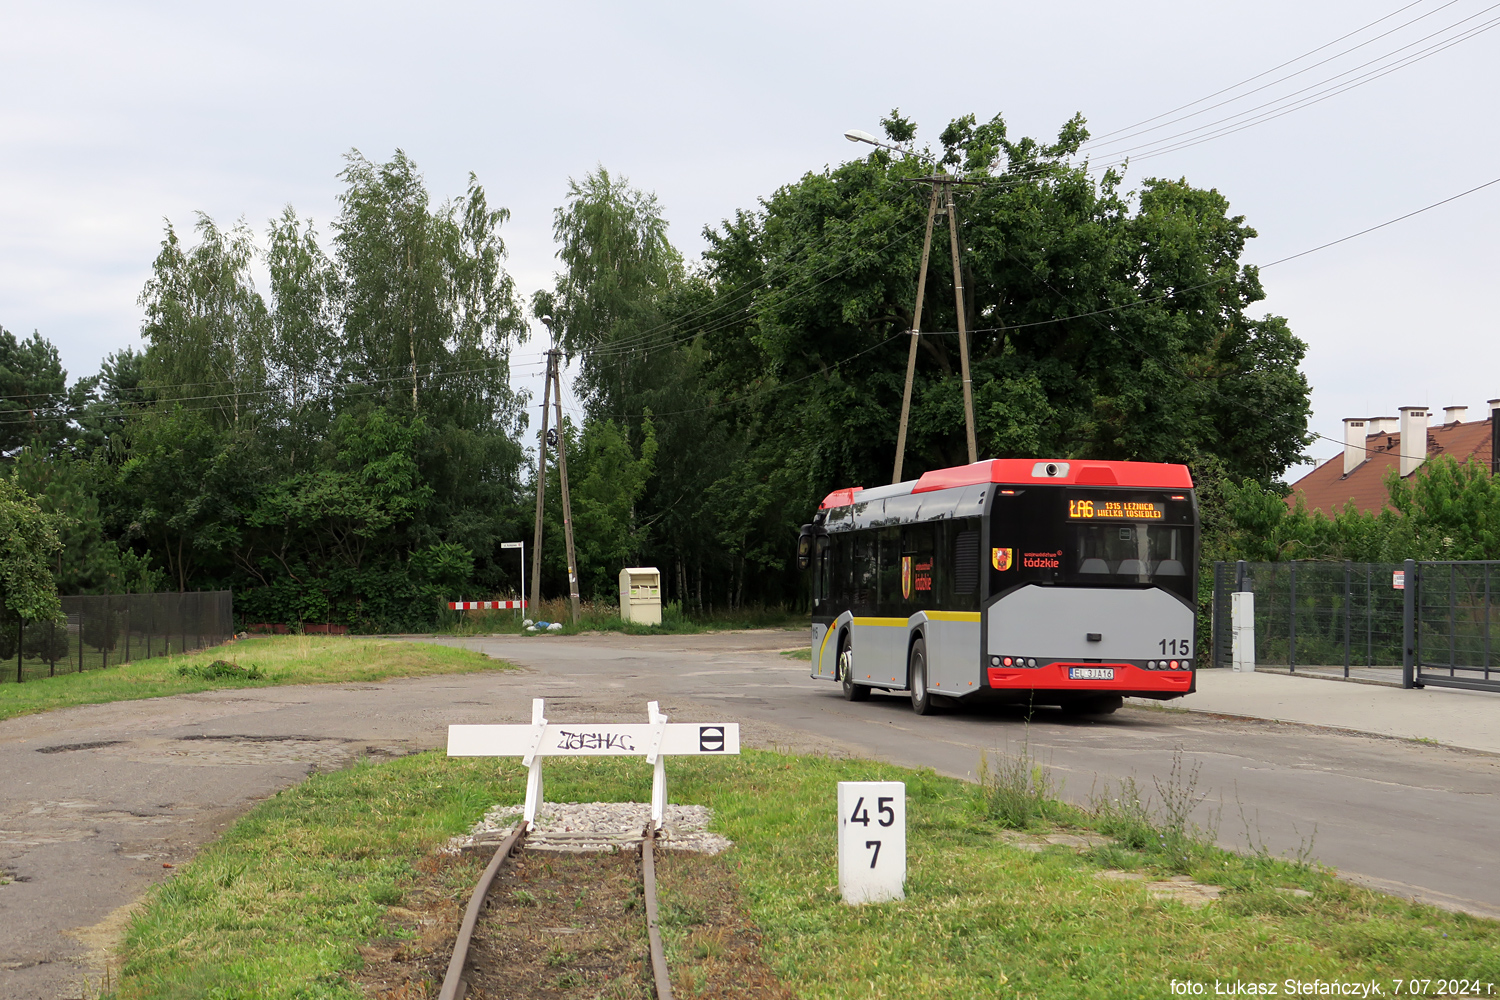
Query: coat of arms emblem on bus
(906,578)
(1000,559)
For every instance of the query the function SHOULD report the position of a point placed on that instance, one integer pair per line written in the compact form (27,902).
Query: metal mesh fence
(106,630)
(1456,621)
(1342,618)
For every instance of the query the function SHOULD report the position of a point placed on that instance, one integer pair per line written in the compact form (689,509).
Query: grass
(598,616)
(258,662)
(278,907)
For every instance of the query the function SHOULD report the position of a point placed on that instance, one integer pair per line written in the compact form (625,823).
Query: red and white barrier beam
(486,605)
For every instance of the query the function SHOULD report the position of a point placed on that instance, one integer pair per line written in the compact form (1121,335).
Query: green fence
(106,630)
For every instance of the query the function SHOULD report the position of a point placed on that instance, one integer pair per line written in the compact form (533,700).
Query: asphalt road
(96,801)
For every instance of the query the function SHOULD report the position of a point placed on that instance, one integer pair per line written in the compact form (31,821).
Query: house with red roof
(1376,446)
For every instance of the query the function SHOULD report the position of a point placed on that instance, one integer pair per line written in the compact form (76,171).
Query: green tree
(28,540)
(618,263)
(34,402)
(87,560)
(610,482)
(206,324)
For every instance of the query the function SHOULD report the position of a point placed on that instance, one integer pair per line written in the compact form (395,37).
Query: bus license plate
(1091,673)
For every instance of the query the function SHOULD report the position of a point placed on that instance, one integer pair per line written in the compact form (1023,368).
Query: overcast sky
(116,116)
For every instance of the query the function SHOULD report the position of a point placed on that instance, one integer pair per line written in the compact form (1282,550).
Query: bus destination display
(1115,510)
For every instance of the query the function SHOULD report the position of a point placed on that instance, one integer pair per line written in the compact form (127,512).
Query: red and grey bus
(1067,583)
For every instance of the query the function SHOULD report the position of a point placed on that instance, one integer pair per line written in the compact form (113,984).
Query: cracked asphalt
(97,801)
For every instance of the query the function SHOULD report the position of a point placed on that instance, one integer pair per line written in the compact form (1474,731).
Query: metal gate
(1450,624)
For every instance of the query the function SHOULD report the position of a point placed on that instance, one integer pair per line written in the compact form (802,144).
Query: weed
(708,944)
(558,957)
(221,670)
(384,892)
(1166,832)
(1018,791)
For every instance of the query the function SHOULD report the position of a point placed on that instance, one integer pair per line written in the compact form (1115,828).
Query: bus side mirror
(804,547)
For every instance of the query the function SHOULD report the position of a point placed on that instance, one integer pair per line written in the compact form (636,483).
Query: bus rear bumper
(1128,680)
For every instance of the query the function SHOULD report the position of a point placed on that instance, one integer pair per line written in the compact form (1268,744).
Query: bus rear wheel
(852,691)
(916,669)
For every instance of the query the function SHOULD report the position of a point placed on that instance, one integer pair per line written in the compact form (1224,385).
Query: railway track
(455,981)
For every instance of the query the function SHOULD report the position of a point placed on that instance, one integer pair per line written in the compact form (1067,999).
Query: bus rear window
(1128,553)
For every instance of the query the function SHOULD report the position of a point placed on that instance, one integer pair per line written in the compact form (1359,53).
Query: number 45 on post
(872,841)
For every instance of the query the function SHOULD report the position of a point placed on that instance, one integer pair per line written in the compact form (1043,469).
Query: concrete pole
(562,476)
(541,491)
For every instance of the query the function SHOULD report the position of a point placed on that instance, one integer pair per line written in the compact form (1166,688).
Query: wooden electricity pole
(916,334)
(552,393)
(963,333)
(945,182)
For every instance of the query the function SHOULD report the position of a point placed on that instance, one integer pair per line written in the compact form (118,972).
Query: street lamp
(860,135)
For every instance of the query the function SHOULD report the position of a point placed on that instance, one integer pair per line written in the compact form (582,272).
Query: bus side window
(916,544)
(890,571)
(864,567)
(823,571)
(838,560)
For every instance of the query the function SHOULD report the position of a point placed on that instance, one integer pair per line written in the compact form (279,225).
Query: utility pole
(963,333)
(945,183)
(916,334)
(541,492)
(562,475)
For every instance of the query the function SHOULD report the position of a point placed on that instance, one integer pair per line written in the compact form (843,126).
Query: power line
(1130,133)
(1273,69)
(1058,319)
(1291,103)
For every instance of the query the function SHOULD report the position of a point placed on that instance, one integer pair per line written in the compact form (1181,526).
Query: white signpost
(654,739)
(872,841)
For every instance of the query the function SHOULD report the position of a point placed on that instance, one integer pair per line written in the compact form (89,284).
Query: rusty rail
(455,986)
(653,932)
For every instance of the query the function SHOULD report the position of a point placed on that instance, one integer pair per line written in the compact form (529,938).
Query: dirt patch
(569,927)
(409,960)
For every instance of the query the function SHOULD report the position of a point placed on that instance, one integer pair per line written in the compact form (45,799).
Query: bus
(1042,582)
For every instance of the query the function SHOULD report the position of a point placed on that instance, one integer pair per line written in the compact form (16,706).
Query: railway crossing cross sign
(654,739)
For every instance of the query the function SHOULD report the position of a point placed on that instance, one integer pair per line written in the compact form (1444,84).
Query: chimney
(1382,425)
(1354,444)
(1413,438)
(1495,437)
(1454,414)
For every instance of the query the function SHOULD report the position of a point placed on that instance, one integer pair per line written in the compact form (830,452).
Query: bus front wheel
(852,691)
(921,697)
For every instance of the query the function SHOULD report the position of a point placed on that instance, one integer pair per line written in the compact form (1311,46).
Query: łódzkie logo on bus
(1042,560)
(1001,559)
(906,578)
(915,577)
